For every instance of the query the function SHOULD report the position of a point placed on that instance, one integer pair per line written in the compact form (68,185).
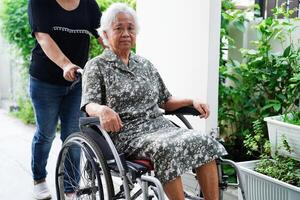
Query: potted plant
(287,125)
(285,95)
(275,178)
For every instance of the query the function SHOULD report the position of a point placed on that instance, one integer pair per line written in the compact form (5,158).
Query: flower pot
(276,129)
(261,187)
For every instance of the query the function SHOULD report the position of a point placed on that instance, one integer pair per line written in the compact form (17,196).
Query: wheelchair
(89,166)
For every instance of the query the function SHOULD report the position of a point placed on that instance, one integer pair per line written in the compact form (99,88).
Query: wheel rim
(91,183)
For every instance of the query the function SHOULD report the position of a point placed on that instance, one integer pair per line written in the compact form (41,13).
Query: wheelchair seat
(147,163)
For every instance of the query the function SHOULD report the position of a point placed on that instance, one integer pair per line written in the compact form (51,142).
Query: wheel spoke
(82,169)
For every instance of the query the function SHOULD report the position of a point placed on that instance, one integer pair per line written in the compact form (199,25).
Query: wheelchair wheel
(82,170)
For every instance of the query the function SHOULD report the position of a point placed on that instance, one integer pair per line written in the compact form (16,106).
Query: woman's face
(122,34)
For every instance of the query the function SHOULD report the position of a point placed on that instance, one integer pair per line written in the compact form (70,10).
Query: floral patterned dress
(135,93)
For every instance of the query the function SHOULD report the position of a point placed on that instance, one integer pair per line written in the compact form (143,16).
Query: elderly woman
(126,92)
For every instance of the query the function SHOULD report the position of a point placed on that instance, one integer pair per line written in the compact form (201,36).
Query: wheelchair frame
(145,180)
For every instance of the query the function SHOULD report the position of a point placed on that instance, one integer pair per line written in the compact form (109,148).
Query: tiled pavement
(15,151)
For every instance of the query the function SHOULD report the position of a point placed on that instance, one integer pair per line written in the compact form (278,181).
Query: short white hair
(109,16)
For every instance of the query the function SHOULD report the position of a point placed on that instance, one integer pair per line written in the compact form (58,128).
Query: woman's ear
(105,35)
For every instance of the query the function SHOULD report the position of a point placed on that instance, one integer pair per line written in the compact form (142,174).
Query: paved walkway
(15,152)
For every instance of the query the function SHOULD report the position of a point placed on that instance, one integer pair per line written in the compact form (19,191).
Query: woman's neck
(124,55)
(68,4)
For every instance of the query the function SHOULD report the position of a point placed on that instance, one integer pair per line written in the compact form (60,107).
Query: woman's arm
(55,54)
(174,103)
(109,119)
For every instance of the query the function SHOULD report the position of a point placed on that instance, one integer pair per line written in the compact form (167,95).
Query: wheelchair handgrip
(89,120)
(186,110)
(78,74)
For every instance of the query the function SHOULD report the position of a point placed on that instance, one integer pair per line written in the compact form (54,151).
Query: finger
(111,124)
(116,125)
(72,74)
(68,77)
(105,127)
(203,113)
(120,121)
(206,110)
(112,128)
(199,108)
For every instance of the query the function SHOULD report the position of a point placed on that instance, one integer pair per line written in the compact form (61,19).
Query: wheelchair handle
(83,121)
(186,110)
(78,74)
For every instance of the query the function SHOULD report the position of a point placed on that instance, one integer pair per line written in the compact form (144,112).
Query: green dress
(135,93)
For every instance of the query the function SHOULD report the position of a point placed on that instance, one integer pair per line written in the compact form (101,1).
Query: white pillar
(181,38)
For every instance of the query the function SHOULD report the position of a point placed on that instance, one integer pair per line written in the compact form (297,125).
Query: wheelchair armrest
(186,110)
(83,121)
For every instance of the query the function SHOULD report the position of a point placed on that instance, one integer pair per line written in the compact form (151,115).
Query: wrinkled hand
(202,108)
(110,120)
(69,71)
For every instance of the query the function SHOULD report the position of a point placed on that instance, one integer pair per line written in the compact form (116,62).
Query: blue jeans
(52,102)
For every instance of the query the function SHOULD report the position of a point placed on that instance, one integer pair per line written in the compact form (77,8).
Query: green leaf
(269,21)
(277,107)
(287,51)
(239,25)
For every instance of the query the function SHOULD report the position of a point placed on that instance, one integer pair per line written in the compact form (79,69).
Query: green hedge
(15,27)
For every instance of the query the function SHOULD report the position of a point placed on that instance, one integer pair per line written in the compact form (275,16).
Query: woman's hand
(109,119)
(69,71)
(202,108)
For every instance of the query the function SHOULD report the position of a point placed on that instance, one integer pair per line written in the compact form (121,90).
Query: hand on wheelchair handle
(202,108)
(78,75)
(110,121)
(69,71)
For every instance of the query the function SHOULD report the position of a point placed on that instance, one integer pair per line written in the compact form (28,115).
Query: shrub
(16,30)
(15,27)
(25,111)
(265,83)
(228,113)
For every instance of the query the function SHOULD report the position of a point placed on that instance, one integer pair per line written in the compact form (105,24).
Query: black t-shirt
(71,30)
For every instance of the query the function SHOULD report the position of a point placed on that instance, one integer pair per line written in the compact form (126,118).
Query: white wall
(181,38)
(5,71)
(244,39)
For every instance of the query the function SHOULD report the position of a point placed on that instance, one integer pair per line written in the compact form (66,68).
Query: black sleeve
(95,17)
(39,18)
